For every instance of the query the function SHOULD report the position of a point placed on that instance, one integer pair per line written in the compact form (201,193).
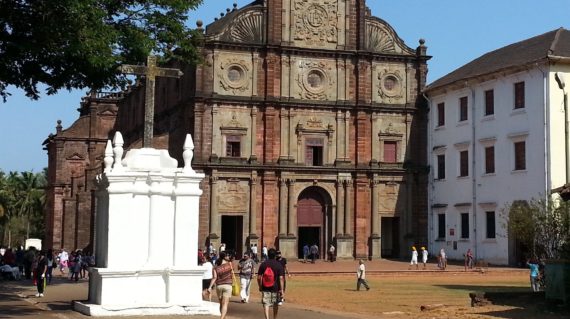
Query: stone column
(346,135)
(347,209)
(214,214)
(253,156)
(291,210)
(282,207)
(376,230)
(339,208)
(253,207)
(339,129)
(374,142)
(283,130)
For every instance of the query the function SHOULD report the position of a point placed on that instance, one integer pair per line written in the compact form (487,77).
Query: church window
(520,155)
(390,152)
(441,226)
(315,79)
(463,109)
(233,146)
(519,95)
(390,83)
(489,102)
(314,152)
(441,114)
(464,225)
(235,74)
(490,221)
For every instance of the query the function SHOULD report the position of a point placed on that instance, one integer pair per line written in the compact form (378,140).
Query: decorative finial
(228,10)
(188,154)
(222,14)
(108,160)
(422,41)
(235,6)
(199,23)
(118,150)
(58,126)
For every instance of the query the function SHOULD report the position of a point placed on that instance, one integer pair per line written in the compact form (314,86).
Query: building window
(463,163)
(489,102)
(314,152)
(520,156)
(519,95)
(463,109)
(490,160)
(233,146)
(464,225)
(390,151)
(441,166)
(441,114)
(490,220)
(441,226)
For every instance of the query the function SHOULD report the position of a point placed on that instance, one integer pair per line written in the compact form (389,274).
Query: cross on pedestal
(150,71)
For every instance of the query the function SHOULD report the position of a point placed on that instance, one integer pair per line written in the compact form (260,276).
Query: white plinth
(147,239)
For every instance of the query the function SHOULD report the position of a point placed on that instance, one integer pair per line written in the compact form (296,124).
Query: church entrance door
(232,234)
(390,237)
(312,218)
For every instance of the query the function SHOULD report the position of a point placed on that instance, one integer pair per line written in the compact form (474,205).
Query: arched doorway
(313,220)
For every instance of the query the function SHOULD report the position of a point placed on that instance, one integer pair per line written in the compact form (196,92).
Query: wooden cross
(150,71)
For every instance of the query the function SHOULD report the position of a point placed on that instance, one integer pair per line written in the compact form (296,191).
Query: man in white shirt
(361,275)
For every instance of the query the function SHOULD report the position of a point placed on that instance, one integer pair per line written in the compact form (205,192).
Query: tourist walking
(206,277)
(246,269)
(264,253)
(305,253)
(468,259)
(442,259)
(270,279)
(254,252)
(283,261)
(533,265)
(314,253)
(424,257)
(361,276)
(50,263)
(331,253)
(222,278)
(63,257)
(41,270)
(414,260)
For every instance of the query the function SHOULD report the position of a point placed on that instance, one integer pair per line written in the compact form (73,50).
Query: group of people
(37,265)
(469,259)
(270,275)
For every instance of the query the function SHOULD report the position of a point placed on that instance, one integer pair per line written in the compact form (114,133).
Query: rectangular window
(314,152)
(390,152)
(464,225)
(519,95)
(441,226)
(490,160)
(489,102)
(490,217)
(520,156)
(463,109)
(233,146)
(441,166)
(464,163)
(441,114)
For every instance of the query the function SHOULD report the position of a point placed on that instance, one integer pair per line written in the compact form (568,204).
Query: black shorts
(205,283)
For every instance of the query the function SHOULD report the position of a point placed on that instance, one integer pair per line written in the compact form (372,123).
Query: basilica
(308,122)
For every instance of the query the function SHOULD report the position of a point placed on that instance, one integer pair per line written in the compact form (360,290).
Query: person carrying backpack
(270,278)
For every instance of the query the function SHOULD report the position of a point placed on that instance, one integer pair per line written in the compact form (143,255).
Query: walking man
(361,275)
(305,253)
(314,253)
(246,269)
(270,278)
(424,256)
(331,253)
(414,260)
(41,273)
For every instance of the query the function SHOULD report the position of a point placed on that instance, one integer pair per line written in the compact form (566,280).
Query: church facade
(308,121)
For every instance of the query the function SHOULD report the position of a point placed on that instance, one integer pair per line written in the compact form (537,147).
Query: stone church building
(308,121)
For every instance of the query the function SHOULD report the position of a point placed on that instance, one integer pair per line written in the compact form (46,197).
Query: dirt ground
(401,296)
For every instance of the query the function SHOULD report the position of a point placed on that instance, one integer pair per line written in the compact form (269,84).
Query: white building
(497,135)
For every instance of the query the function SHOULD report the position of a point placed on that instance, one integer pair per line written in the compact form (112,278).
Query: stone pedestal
(146,237)
(345,247)
(287,247)
(376,244)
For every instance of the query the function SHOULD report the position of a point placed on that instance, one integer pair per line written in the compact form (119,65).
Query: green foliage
(74,44)
(22,201)
(542,225)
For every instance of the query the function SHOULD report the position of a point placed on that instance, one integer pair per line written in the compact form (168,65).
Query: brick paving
(17,298)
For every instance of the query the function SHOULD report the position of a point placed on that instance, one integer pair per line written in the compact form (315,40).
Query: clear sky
(456,32)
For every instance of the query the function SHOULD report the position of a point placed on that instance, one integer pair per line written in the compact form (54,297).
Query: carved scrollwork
(316,22)
(234,75)
(390,85)
(313,80)
(380,37)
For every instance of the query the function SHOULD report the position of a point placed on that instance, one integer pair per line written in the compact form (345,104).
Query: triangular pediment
(75,157)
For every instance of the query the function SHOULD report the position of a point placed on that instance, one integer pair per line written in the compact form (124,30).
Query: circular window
(315,79)
(390,83)
(235,74)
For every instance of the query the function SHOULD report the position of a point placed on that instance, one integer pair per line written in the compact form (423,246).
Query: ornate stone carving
(234,75)
(232,197)
(313,80)
(316,21)
(247,28)
(390,85)
(314,122)
(382,38)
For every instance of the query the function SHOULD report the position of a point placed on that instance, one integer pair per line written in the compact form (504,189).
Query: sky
(456,32)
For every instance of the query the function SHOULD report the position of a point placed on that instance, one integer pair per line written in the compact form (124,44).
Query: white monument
(146,243)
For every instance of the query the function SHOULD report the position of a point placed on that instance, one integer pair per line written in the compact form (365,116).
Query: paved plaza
(17,298)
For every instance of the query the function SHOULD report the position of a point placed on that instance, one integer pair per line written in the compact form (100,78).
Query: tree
(542,225)
(76,44)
